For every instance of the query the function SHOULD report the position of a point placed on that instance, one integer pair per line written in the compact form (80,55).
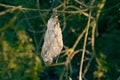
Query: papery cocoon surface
(53,42)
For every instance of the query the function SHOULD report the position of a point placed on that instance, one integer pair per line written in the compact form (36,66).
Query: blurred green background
(22,27)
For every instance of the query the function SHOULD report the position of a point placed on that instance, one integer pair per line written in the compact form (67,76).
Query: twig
(79,38)
(71,6)
(59,6)
(81,3)
(88,65)
(64,16)
(34,37)
(46,10)
(71,50)
(10,24)
(76,12)
(22,8)
(38,5)
(6,11)
(84,47)
(95,21)
(57,64)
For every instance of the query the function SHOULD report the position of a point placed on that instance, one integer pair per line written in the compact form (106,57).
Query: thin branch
(71,6)
(79,38)
(10,24)
(76,12)
(38,5)
(57,64)
(95,21)
(46,10)
(22,8)
(59,6)
(84,47)
(81,3)
(6,11)
(88,65)
(34,37)
(64,16)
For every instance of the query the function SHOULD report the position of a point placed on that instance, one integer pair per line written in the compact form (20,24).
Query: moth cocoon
(53,42)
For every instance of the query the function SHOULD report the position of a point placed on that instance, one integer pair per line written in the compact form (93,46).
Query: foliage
(90,34)
(17,58)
